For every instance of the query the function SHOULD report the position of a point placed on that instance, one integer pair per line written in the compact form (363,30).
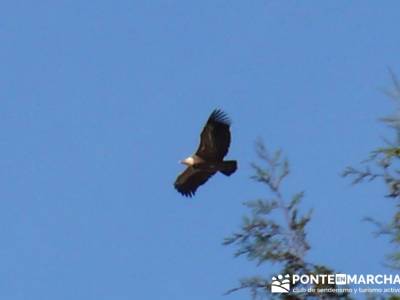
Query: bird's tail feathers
(228,167)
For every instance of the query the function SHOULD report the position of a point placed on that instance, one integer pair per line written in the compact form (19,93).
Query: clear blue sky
(99,100)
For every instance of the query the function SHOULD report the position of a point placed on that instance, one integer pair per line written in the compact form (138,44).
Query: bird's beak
(180,161)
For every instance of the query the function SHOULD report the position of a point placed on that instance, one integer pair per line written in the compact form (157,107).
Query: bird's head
(187,161)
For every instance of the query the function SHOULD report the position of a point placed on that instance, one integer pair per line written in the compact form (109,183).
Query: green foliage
(383,164)
(275,232)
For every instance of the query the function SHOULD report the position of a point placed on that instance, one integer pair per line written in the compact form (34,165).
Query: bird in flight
(209,157)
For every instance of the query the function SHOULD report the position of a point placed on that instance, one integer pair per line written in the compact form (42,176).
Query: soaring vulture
(209,157)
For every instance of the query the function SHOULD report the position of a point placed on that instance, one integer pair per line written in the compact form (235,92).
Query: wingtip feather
(218,115)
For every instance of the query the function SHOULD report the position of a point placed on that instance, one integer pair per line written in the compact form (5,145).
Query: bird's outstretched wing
(215,137)
(190,179)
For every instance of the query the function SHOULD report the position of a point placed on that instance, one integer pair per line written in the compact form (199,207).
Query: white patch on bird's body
(188,161)
(192,160)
